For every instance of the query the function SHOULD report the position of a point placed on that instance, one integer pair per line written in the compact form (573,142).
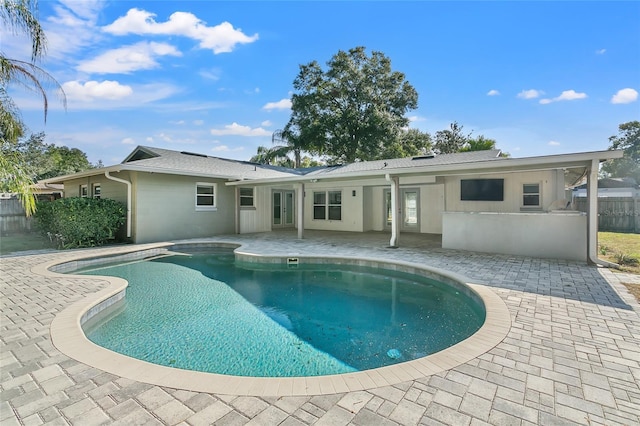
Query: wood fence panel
(12,217)
(615,214)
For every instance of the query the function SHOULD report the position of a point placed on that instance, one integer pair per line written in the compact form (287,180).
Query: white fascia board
(129,167)
(488,166)
(85,173)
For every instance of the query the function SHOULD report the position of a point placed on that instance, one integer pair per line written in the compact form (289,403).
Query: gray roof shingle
(192,163)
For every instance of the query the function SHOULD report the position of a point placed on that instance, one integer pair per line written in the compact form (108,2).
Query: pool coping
(68,337)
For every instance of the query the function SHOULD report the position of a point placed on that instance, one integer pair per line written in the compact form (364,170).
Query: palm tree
(284,144)
(20,17)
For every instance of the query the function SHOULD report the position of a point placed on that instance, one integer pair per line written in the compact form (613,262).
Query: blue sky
(540,78)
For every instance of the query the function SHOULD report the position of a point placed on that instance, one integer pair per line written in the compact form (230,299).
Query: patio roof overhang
(578,163)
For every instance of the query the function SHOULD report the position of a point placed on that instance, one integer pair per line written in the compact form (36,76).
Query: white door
(283,207)
(409,209)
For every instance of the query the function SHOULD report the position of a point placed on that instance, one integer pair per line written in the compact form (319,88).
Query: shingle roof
(409,162)
(182,161)
(193,163)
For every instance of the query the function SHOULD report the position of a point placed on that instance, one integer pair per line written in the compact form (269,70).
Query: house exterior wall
(258,218)
(513,182)
(352,207)
(109,189)
(544,235)
(165,208)
(431,208)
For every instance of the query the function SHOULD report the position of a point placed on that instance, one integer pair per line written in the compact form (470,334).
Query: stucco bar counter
(557,234)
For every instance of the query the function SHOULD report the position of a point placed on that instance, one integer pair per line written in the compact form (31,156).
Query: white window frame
(213,196)
(245,197)
(327,205)
(526,194)
(96,190)
(83,191)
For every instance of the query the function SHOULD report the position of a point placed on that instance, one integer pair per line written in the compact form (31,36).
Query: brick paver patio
(572,355)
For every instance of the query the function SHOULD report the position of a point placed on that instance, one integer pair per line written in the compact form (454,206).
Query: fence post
(636,214)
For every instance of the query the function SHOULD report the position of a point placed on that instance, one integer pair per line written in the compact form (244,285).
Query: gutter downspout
(592,217)
(126,182)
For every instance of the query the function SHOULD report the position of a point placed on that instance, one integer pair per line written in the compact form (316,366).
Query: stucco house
(476,200)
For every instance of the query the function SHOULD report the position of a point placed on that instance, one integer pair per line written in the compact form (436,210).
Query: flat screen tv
(482,189)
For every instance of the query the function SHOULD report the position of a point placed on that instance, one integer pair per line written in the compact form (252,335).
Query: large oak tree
(627,139)
(352,110)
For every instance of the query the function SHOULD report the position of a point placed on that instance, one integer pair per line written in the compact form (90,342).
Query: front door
(409,209)
(283,209)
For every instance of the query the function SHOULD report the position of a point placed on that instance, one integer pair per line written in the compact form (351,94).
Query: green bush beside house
(80,222)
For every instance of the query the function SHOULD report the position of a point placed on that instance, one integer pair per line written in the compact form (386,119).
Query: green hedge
(80,222)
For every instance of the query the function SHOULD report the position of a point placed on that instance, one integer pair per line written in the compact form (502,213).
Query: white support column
(237,211)
(300,211)
(592,211)
(395,210)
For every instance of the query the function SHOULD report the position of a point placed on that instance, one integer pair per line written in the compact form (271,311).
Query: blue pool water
(205,312)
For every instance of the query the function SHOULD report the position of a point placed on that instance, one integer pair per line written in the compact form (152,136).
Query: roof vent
(193,153)
(424,157)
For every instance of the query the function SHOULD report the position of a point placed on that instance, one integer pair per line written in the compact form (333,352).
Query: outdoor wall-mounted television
(482,190)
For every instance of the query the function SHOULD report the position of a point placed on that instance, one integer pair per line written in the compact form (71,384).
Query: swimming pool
(208,312)
(100,294)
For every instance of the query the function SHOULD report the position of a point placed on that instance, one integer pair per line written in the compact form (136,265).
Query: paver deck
(572,355)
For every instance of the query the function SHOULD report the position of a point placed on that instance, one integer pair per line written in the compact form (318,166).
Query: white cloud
(553,143)
(211,74)
(493,92)
(220,38)
(266,123)
(281,104)
(149,139)
(72,27)
(600,51)
(416,118)
(198,122)
(124,60)
(177,122)
(128,141)
(530,94)
(625,96)
(86,9)
(238,130)
(567,95)
(93,90)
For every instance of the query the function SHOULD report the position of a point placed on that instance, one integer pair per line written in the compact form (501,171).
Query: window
(96,190)
(319,205)
(482,189)
(531,195)
(84,191)
(335,205)
(246,197)
(205,196)
(327,205)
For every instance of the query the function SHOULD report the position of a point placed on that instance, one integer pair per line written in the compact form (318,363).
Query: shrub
(626,259)
(80,222)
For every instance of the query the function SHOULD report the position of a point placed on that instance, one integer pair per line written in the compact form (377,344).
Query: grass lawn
(623,249)
(21,242)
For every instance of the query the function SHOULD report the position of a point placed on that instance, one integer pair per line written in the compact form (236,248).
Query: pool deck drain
(571,355)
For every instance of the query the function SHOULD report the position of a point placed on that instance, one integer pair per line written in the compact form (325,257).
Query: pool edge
(67,336)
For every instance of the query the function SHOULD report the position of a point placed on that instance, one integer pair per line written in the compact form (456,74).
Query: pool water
(206,312)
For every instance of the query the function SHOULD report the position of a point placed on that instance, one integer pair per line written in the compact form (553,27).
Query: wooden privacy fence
(12,217)
(615,214)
